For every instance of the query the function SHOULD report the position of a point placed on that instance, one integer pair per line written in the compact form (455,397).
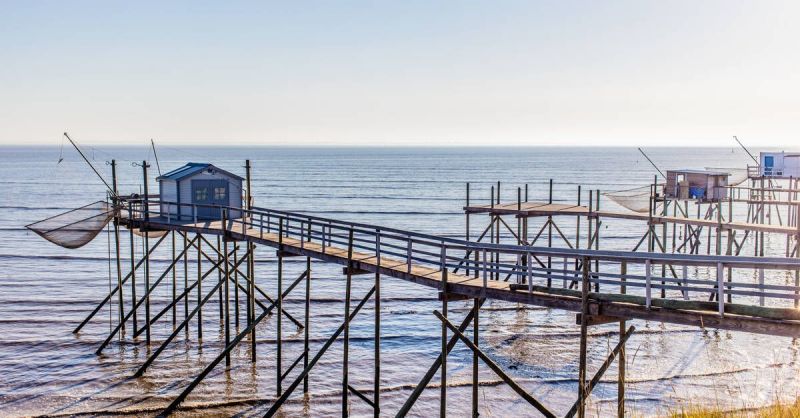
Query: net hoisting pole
(652,163)
(90,164)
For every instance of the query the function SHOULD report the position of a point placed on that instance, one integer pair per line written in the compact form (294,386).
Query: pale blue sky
(401,72)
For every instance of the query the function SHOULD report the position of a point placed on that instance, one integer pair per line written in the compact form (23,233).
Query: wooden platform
(535,209)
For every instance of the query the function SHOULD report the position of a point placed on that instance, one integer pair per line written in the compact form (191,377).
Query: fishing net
(75,228)
(636,199)
(737,175)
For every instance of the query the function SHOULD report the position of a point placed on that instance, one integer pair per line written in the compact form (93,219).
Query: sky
(470,73)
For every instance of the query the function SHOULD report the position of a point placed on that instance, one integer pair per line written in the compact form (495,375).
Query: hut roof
(191,169)
(707,172)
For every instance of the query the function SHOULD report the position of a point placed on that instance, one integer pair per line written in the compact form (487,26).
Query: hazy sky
(401,72)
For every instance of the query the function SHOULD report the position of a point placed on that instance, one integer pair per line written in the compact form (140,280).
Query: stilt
(376,399)
(582,359)
(621,374)
(475,376)
(199,291)
(279,329)
(116,204)
(346,342)
(306,320)
(443,386)
(226,285)
(146,252)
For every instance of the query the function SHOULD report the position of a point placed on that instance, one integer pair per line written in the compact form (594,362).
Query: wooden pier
(680,287)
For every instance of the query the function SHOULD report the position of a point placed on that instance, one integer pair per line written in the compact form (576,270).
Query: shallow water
(47,291)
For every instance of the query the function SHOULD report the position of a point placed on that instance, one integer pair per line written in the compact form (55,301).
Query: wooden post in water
(251,296)
(226,285)
(346,350)
(133,273)
(307,317)
(200,290)
(550,236)
(219,278)
(174,283)
(145,231)
(376,399)
(475,372)
(443,387)
(279,329)
(236,284)
(584,325)
(185,283)
(116,203)
(597,235)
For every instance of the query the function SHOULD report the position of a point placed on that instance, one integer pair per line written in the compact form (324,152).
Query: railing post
(261,224)
(647,284)
(408,255)
(761,286)
(194,212)
(721,288)
(685,273)
(530,272)
(485,273)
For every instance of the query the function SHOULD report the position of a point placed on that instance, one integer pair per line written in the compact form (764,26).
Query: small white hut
(779,164)
(201,184)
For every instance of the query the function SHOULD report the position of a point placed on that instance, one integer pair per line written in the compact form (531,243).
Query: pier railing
(727,284)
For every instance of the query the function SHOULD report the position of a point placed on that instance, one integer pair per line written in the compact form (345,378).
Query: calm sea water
(45,291)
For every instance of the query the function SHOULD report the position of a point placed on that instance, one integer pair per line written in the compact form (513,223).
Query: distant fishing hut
(705,185)
(202,184)
(778,164)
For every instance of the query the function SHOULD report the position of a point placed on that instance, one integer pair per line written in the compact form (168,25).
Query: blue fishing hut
(204,185)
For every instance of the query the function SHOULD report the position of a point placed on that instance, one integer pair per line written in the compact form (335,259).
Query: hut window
(219,193)
(201,194)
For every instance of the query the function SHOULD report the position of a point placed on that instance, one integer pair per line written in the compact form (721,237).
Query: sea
(46,291)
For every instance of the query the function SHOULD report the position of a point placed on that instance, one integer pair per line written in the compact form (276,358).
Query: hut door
(211,193)
(769,162)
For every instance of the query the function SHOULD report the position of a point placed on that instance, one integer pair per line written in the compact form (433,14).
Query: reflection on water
(47,290)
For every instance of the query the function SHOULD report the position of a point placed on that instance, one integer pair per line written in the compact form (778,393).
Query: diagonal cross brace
(175,403)
(436,364)
(278,403)
(495,368)
(258,289)
(115,289)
